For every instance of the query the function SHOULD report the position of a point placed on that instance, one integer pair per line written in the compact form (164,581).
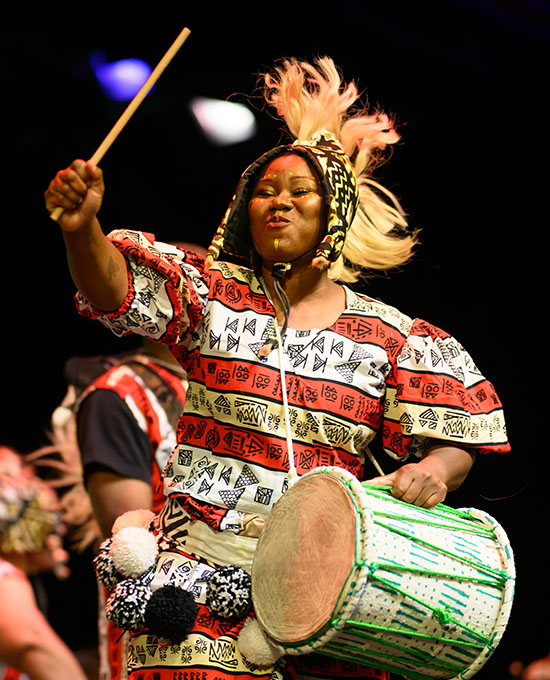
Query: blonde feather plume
(313,97)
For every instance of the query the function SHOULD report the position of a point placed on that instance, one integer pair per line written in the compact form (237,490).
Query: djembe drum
(346,570)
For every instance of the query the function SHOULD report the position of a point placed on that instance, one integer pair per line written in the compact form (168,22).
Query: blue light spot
(120,80)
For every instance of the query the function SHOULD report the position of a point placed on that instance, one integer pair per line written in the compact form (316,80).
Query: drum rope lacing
(498,574)
(501,576)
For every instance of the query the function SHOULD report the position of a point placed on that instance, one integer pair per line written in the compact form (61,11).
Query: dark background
(466,82)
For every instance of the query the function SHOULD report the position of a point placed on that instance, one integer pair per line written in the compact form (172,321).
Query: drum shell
(428,595)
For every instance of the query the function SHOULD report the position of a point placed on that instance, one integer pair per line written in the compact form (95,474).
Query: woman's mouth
(277,221)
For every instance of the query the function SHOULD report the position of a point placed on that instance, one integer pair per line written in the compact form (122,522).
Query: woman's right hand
(98,268)
(78,190)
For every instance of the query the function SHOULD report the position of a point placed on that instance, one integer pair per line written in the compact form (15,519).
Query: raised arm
(97,267)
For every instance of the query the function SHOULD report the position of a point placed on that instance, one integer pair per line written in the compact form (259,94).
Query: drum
(346,570)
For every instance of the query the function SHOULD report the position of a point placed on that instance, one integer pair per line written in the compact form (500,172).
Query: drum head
(303,559)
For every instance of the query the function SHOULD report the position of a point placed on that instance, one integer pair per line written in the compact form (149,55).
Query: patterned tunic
(374,370)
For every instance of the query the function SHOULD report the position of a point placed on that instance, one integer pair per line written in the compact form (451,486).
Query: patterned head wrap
(339,189)
(27,507)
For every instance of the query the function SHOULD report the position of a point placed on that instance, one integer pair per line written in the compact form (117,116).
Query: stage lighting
(119,80)
(223,122)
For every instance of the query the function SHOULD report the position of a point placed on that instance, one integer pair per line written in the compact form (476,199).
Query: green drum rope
(500,576)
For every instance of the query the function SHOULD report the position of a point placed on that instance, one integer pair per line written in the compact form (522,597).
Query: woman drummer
(288,368)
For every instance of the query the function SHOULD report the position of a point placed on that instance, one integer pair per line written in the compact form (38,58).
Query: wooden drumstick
(133,105)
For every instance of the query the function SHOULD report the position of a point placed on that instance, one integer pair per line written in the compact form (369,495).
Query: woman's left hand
(427,482)
(413,484)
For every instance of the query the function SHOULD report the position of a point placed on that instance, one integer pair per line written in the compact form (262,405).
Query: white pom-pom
(255,645)
(133,518)
(134,550)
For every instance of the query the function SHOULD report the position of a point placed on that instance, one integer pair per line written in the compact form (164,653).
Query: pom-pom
(134,551)
(171,613)
(104,566)
(228,595)
(133,518)
(255,645)
(127,604)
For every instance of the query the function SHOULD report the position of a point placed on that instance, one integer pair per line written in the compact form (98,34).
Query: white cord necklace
(292,474)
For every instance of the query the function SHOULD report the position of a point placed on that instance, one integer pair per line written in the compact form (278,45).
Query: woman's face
(286,210)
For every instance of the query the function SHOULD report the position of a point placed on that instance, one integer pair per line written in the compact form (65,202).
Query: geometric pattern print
(373,367)
(209,652)
(442,394)
(174,522)
(153,311)
(161,303)
(343,193)
(226,482)
(235,411)
(220,477)
(198,657)
(440,422)
(440,356)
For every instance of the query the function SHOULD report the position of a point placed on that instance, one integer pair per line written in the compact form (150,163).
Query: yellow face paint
(276,243)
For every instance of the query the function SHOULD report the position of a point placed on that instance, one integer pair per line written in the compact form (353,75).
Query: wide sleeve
(435,391)
(167,290)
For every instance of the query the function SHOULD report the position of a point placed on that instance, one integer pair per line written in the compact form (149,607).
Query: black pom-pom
(228,594)
(171,613)
(126,605)
(104,566)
